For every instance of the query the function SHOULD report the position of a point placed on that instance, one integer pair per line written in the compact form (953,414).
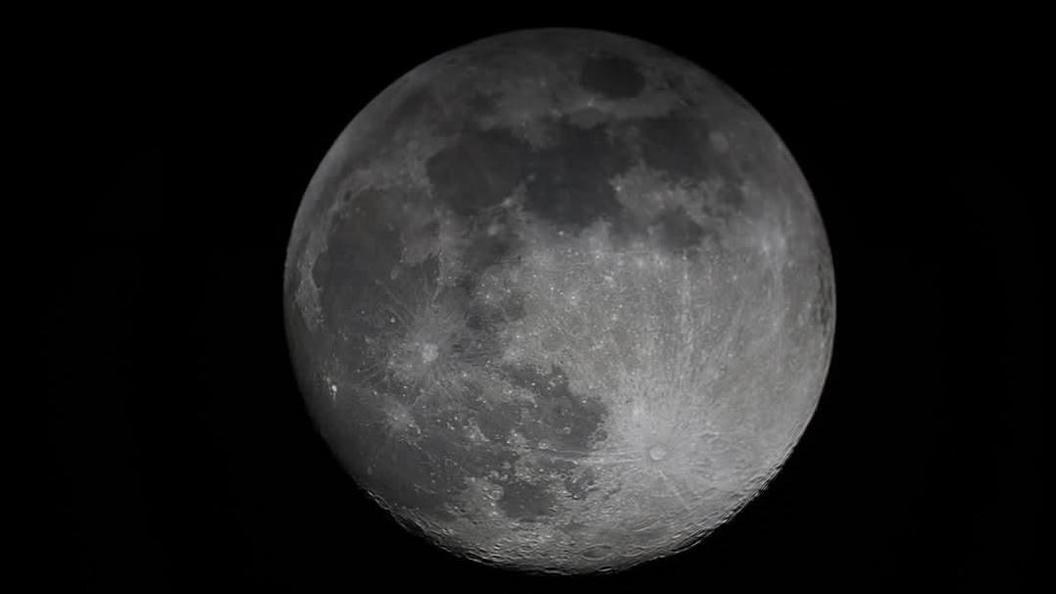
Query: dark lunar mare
(612,76)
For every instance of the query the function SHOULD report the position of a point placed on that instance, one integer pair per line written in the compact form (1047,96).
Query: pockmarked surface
(560,301)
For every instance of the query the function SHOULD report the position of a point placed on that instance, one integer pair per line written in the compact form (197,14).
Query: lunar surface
(560,301)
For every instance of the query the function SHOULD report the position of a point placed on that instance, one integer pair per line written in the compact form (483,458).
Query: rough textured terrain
(560,301)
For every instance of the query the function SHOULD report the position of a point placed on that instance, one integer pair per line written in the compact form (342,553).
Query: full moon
(560,301)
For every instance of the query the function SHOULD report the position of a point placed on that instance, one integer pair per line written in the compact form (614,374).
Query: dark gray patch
(676,232)
(525,501)
(406,476)
(479,340)
(678,145)
(486,248)
(566,183)
(759,156)
(496,422)
(731,196)
(363,246)
(455,456)
(561,417)
(570,185)
(572,527)
(429,469)
(399,471)
(414,107)
(480,170)
(672,229)
(614,77)
(481,103)
(677,82)
(381,311)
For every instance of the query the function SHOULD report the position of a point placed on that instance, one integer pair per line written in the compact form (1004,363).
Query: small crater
(657,453)
(612,76)
(597,552)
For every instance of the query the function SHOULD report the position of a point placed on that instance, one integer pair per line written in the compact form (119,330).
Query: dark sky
(180,453)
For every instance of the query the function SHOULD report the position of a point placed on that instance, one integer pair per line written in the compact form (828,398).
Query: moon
(560,301)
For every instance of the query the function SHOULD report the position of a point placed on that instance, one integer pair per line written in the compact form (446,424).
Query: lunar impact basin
(560,301)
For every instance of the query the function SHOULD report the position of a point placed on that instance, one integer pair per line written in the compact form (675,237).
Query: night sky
(180,454)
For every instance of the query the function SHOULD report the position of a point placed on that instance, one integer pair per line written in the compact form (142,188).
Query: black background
(182,456)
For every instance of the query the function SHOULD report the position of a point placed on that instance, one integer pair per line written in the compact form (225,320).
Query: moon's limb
(560,300)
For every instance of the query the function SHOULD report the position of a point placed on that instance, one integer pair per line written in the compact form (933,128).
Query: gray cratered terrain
(560,301)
